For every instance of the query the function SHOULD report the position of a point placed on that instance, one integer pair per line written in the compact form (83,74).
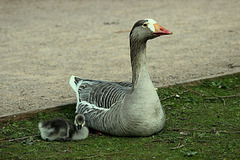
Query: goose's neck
(138,60)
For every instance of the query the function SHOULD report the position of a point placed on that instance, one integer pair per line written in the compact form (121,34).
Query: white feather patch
(91,107)
(150,24)
(75,87)
(73,84)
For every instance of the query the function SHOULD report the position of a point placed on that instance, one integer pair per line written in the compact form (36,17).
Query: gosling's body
(60,129)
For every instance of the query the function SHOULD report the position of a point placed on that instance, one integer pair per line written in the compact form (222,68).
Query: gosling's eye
(145,24)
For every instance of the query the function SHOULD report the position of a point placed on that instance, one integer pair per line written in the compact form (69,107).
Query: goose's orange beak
(159,30)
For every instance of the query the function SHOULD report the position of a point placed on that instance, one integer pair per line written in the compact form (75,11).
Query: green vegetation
(202,123)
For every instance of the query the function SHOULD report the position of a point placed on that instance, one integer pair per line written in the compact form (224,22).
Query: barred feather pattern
(94,98)
(101,93)
(95,115)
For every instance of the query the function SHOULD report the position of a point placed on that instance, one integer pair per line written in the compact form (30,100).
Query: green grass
(202,123)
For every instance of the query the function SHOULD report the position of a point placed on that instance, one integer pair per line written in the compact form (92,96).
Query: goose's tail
(75,82)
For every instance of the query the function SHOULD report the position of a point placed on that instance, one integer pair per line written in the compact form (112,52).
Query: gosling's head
(79,121)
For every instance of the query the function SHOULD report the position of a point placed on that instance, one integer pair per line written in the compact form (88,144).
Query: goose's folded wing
(103,94)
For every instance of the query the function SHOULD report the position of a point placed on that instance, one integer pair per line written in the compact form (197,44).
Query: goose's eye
(145,25)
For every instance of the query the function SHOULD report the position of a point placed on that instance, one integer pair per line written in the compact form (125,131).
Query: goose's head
(147,29)
(79,121)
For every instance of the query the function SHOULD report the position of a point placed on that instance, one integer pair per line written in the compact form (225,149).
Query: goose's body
(62,129)
(122,108)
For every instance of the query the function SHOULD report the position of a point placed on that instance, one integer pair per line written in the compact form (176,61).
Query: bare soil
(43,43)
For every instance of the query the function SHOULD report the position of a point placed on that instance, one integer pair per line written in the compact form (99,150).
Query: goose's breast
(144,121)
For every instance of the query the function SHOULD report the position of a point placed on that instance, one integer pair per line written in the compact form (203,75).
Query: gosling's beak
(79,127)
(159,30)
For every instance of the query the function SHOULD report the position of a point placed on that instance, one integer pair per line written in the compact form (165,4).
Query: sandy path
(43,43)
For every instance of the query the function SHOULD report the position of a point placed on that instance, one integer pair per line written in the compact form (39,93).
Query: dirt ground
(43,43)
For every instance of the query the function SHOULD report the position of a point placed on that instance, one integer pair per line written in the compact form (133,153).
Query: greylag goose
(62,129)
(121,108)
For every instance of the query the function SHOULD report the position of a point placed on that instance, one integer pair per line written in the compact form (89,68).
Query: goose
(60,129)
(123,108)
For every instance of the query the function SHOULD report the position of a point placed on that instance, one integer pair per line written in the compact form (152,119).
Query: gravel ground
(43,43)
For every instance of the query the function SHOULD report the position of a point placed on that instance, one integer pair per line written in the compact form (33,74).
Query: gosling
(64,130)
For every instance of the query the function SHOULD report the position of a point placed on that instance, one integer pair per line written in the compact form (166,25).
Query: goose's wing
(124,84)
(99,93)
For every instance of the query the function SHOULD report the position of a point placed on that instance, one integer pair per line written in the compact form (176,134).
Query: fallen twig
(224,123)
(104,154)
(212,97)
(209,131)
(233,87)
(222,98)
(217,97)
(178,146)
(193,91)
(181,129)
(224,102)
(12,154)
(17,139)
(174,95)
